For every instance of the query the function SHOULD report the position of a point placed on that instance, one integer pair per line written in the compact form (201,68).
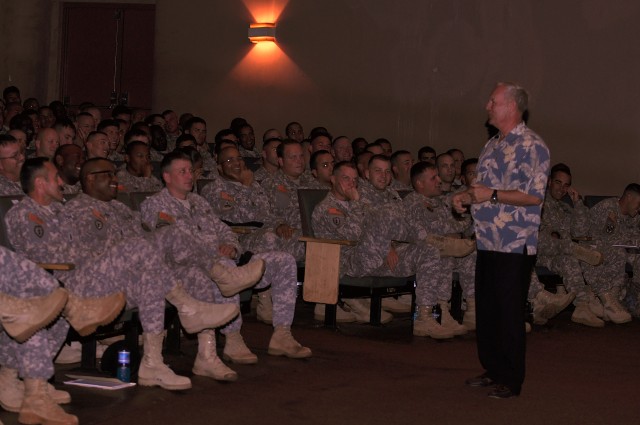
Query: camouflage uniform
(398,185)
(608,226)
(283,195)
(9,188)
(371,227)
(208,163)
(433,216)
(261,174)
(196,218)
(556,253)
(86,233)
(69,189)
(21,278)
(127,182)
(234,202)
(245,153)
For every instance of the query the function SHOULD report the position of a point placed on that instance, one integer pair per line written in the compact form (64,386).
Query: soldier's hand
(227,251)
(460,201)
(479,193)
(573,194)
(148,169)
(392,259)
(284,231)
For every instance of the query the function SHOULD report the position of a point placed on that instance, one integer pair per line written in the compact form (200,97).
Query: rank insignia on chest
(39,231)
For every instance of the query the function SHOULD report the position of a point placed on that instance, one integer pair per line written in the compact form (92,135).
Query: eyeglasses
(110,173)
(327,164)
(15,156)
(233,159)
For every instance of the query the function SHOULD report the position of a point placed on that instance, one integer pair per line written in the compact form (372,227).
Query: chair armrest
(57,266)
(330,241)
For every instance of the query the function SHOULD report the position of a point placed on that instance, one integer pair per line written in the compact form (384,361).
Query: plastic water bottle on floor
(124,371)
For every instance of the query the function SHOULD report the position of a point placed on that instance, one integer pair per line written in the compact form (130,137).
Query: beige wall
(416,72)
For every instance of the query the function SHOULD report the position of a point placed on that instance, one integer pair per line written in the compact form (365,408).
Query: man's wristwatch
(494,197)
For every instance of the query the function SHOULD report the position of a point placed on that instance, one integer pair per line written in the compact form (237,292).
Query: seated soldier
(614,222)
(269,163)
(458,159)
(341,149)
(171,127)
(177,207)
(84,125)
(197,127)
(428,214)
(142,133)
(247,141)
(68,160)
(560,223)
(96,145)
(401,162)
(137,175)
(47,142)
(447,172)
(321,166)
(111,128)
(344,215)
(66,131)
(11,160)
(427,154)
(91,232)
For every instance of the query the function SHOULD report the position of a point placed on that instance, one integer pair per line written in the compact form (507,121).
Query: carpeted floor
(362,374)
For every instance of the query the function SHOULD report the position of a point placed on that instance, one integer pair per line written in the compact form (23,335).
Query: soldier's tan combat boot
(198,315)
(22,317)
(595,305)
(362,310)
(207,361)
(86,314)
(547,305)
(12,391)
(282,343)
(264,310)
(448,322)
(613,311)
(586,254)
(153,372)
(236,351)
(426,325)
(583,315)
(469,318)
(233,280)
(39,408)
(342,315)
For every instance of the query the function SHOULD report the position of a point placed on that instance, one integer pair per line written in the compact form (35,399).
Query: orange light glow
(265,10)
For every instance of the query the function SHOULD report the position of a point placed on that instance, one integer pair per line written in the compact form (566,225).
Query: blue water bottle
(124,371)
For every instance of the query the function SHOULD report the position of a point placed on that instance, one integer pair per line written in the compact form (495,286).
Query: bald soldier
(85,234)
(47,142)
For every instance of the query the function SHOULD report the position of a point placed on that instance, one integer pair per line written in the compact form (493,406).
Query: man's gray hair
(518,94)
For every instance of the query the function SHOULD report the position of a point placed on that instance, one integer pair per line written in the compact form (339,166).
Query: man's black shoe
(480,381)
(502,391)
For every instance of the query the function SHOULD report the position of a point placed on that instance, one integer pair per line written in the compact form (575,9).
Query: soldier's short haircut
(192,121)
(60,150)
(134,133)
(426,149)
(84,171)
(64,122)
(238,129)
(560,168)
(441,156)
(32,168)
(344,164)
(419,168)
(632,188)
(222,145)
(220,135)
(83,114)
(192,152)
(291,124)
(7,139)
(93,135)
(181,138)
(379,157)
(313,161)
(396,154)
(119,110)
(129,148)
(172,156)
(284,144)
(466,164)
(107,123)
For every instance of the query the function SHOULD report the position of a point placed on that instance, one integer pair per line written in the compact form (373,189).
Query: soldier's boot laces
(153,371)
(207,361)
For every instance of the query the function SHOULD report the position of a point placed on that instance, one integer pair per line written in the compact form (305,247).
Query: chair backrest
(201,183)
(252,163)
(124,198)
(307,200)
(591,200)
(6,202)
(138,198)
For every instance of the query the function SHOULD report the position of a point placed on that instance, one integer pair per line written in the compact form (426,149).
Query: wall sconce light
(262,32)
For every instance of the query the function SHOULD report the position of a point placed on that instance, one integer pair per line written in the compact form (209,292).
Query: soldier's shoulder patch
(282,188)
(97,214)
(335,211)
(35,219)
(166,218)
(227,197)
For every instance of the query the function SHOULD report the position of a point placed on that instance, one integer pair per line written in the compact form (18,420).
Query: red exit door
(107,54)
